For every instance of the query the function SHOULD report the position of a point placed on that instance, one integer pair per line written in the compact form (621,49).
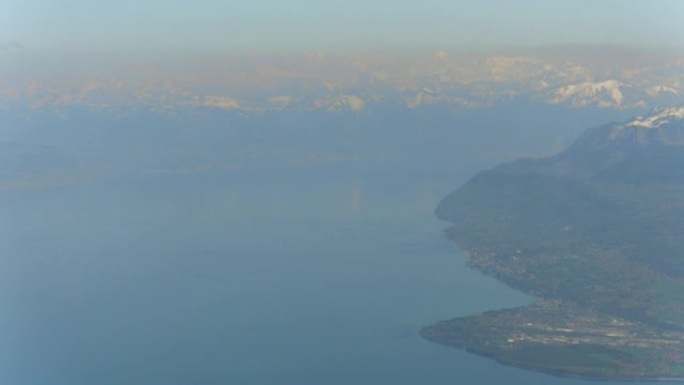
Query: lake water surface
(213,279)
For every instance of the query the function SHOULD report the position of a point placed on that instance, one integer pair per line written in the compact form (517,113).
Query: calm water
(214,280)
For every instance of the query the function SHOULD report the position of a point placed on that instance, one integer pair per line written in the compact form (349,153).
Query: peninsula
(597,233)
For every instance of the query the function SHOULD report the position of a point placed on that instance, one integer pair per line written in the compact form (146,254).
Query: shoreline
(597,341)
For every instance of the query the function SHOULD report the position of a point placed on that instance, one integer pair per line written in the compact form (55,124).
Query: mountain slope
(599,227)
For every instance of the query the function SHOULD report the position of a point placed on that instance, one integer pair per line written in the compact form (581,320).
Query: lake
(213,278)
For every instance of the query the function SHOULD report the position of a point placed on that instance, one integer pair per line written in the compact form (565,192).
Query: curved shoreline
(596,341)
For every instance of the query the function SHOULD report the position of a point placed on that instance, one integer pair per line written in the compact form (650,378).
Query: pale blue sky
(333,25)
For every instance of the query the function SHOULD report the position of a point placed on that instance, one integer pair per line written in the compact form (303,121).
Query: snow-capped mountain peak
(658,118)
(662,128)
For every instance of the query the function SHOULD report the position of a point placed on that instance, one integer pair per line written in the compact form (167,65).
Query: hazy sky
(333,25)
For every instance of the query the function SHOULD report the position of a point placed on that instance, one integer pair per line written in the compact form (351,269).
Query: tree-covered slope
(599,226)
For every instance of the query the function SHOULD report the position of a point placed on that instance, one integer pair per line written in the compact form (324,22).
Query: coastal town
(562,338)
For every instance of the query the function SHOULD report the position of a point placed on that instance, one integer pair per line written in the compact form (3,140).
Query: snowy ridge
(354,83)
(658,118)
(664,127)
(605,93)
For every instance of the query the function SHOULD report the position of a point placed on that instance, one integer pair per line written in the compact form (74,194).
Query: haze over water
(213,280)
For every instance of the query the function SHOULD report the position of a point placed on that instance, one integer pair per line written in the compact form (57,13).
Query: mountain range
(600,77)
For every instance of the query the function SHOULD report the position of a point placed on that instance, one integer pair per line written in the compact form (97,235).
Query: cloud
(11,45)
